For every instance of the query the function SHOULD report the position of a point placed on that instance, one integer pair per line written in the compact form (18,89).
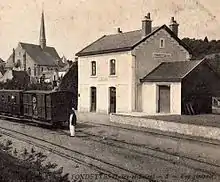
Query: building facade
(110,68)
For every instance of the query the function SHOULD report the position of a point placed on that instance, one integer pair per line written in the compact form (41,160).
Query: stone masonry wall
(186,129)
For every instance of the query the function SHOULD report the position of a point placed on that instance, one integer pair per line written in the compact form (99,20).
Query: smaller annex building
(183,87)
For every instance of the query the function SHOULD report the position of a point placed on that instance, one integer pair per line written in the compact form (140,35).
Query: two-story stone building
(110,68)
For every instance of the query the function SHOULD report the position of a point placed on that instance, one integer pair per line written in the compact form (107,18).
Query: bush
(29,167)
(39,86)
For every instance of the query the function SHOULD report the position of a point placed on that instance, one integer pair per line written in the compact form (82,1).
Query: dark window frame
(35,71)
(112,99)
(93,97)
(93,70)
(29,70)
(162,43)
(112,67)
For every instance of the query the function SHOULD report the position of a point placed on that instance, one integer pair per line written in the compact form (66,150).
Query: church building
(35,59)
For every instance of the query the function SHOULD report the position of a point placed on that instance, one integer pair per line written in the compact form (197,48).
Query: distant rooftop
(43,57)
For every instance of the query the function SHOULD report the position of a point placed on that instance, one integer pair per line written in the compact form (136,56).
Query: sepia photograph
(109,91)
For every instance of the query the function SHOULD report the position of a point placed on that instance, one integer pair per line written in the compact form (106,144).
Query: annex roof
(171,71)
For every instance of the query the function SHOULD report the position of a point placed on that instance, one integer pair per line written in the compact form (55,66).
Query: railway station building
(110,69)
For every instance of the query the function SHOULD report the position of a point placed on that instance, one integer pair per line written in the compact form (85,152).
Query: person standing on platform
(72,122)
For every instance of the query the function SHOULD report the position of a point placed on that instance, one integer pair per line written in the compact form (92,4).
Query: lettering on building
(161,55)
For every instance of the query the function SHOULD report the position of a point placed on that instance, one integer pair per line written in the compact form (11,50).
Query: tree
(206,39)
(201,48)
(69,82)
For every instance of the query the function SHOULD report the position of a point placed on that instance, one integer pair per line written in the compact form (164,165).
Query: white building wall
(175,98)
(83,101)
(103,80)
(150,97)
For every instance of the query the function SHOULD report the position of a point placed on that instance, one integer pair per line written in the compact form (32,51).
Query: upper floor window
(112,67)
(35,71)
(29,71)
(93,64)
(162,43)
(18,63)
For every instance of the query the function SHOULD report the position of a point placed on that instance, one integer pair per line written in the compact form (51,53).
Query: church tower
(42,40)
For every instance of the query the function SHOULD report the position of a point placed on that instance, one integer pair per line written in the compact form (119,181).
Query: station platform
(205,126)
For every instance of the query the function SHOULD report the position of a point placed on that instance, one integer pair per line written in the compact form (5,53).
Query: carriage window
(13,98)
(9,98)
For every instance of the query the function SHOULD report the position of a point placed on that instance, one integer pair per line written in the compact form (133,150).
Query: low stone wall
(93,117)
(175,127)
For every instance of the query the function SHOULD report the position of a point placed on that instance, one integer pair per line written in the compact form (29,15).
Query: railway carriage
(45,107)
(11,102)
(50,107)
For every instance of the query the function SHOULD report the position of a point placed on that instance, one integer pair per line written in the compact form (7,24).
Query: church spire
(42,32)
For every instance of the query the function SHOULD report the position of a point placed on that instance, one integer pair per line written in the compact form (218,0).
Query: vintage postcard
(115,90)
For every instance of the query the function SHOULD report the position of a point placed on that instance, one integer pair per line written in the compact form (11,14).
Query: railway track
(159,133)
(102,167)
(111,170)
(144,150)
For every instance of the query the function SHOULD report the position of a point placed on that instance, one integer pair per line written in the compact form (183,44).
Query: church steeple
(42,32)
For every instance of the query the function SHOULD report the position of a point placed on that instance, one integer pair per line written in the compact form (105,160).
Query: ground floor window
(112,100)
(93,99)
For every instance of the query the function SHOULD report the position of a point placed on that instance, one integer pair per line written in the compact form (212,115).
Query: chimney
(119,30)
(174,26)
(13,56)
(24,60)
(146,25)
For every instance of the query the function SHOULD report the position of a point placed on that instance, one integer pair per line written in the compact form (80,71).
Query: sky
(73,24)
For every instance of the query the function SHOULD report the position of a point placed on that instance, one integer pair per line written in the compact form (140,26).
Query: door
(112,100)
(93,99)
(164,99)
